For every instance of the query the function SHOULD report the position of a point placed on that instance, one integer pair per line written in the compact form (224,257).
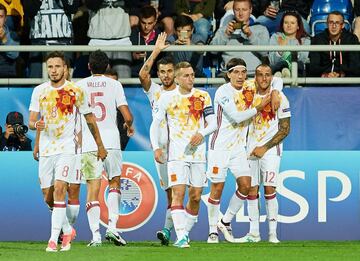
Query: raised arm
(144,74)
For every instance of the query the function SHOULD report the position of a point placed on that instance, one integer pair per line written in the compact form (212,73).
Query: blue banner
(322,118)
(318,199)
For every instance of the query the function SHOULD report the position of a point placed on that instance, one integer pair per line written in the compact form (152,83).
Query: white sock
(236,202)
(213,214)
(57,219)
(253,211)
(169,224)
(272,208)
(93,214)
(190,220)
(113,207)
(72,210)
(178,217)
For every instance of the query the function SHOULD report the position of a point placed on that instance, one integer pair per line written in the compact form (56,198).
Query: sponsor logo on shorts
(139,198)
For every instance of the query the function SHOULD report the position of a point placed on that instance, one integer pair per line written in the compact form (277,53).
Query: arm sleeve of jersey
(34,103)
(277,83)
(120,95)
(229,107)
(211,125)
(284,110)
(154,130)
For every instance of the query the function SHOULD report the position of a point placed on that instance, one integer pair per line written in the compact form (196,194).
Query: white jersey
(229,134)
(185,116)
(153,95)
(266,123)
(105,96)
(58,108)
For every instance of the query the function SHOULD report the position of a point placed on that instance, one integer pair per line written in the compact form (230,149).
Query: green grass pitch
(138,251)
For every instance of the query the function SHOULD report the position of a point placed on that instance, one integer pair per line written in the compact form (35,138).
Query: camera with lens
(20,129)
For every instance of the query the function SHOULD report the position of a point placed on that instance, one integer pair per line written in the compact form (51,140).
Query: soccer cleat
(248,238)
(94,243)
(164,236)
(66,240)
(183,242)
(273,238)
(51,247)
(226,230)
(213,238)
(115,238)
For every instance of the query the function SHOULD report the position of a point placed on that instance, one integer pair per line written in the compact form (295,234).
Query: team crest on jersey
(267,114)
(139,198)
(248,97)
(66,101)
(196,106)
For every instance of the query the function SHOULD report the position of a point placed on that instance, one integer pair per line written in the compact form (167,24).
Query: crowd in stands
(186,22)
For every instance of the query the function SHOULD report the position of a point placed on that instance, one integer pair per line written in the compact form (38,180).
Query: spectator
(7,59)
(14,138)
(334,64)
(291,33)
(201,12)
(273,11)
(357,18)
(15,17)
(239,31)
(143,34)
(184,28)
(50,24)
(165,11)
(109,25)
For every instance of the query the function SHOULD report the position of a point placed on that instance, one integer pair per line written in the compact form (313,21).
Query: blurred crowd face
(184,32)
(290,25)
(166,74)
(335,24)
(242,11)
(2,18)
(263,77)
(147,25)
(56,69)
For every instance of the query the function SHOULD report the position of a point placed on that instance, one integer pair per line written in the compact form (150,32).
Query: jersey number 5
(95,103)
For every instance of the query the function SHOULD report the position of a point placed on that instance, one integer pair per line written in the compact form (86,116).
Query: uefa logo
(139,198)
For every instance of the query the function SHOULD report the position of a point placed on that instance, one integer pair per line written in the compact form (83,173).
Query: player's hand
(196,139)
(40,124)
(158,154)
(258,152)
(36,152)
(265,101)
(161,42)
(130,130)
(101,153)
(275,100)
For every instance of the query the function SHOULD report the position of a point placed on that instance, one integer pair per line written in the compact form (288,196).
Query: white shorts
(188,173)
(219,161)
(266,169)
(56,167)
(92,168)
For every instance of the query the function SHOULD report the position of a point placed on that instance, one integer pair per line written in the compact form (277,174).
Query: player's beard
(168,83)
(56,80)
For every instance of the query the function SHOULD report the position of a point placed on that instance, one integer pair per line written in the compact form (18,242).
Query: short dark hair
(249,1)
(147,11)
(165,60)
(336,13)
(231,63)
(2,7)
(183,20)
(56,54)
(263,65)
(98,62)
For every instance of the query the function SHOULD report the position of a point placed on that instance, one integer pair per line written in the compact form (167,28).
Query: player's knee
(269,190)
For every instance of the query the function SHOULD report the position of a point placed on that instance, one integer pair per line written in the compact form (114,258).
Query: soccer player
(52,112)
(165,71)
(186,109)
(106,97)
(227,144)
(266,133)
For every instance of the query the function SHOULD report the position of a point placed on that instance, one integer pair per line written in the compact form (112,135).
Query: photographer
(14,138)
